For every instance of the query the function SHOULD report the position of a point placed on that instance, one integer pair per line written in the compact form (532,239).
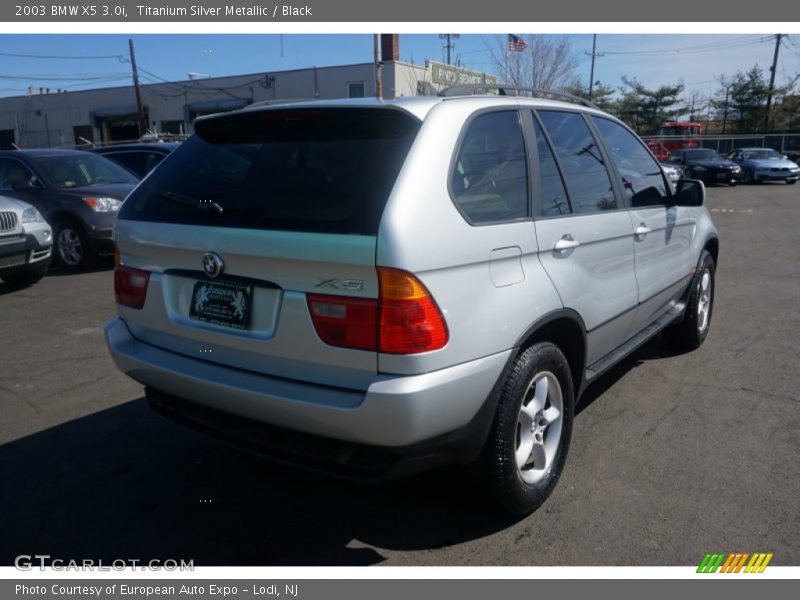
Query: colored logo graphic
(734,562)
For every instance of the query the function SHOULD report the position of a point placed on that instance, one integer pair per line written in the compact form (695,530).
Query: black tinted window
(316,170)
(552,195)
(133,161)
(81,169)
(490,177)
(642,177)
(581,162)
(13,173)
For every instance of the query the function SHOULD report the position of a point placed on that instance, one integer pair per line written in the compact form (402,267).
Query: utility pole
(772,70)
(594,55)
(378,67)
(449,37)
(139,107)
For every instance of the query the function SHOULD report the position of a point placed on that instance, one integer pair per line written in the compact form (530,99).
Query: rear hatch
(283,203)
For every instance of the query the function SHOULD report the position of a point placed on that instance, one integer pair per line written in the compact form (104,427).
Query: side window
(151,160)
(581,162)
(490,179)
(552,194)
(642,177)
(13,172)
(133,161)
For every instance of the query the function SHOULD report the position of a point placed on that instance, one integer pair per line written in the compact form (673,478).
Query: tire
(691,331)
(25,276)
(791,181)
(71,247)
(535,412)
(748,176)
(733,183)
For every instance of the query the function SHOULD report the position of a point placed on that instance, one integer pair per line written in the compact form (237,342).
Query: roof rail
(278,101)
(470,89)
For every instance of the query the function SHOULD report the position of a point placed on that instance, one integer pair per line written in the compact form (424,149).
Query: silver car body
(495,286)
(25,237)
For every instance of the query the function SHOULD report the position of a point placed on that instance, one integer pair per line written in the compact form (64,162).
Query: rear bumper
(395,412)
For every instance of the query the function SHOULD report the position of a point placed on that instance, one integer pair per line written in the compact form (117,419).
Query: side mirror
(689,192)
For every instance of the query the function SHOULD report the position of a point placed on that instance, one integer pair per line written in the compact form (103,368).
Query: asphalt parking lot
(672,456)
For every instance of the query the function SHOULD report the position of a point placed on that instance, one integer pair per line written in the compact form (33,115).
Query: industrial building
(48,118)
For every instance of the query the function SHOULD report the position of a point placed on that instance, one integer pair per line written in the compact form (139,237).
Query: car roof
(418,106)
(166,146)
(755,148)
(37,152)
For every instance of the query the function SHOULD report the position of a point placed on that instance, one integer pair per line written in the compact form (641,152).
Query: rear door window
(553,201)
(581,161)
(308,169)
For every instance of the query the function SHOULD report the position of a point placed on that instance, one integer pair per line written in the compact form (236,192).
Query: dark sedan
(139,158)
(78,193)
(706,165)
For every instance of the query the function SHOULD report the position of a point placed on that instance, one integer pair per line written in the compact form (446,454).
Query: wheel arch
(565,329)
(712,245)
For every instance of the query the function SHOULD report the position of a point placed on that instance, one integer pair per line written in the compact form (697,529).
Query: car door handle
(641,231)
(567,242)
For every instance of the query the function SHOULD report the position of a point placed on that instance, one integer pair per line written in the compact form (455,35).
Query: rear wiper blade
(202,205)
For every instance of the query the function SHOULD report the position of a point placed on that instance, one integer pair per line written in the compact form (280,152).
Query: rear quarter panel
(487,280)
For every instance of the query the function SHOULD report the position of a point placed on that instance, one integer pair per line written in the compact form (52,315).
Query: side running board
(609,360)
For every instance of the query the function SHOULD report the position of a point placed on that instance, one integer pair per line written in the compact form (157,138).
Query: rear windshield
(315,170)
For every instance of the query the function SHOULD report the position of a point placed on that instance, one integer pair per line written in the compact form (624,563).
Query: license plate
(226,304)
(722,176)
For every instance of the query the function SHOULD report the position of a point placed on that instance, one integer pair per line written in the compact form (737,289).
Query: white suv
(369,287)
(26,242)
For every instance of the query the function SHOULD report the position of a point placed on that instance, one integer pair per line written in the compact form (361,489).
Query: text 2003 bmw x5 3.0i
(372,287)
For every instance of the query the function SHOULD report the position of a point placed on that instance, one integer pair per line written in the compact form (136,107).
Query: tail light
(403,320)
(130,286)
(342,321)
(410,320)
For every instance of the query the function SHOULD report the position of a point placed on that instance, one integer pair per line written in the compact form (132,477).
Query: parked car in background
(673,172)
(26,242)
(79,194)
(706,165)
(138,158)
(764,164)
(369,287)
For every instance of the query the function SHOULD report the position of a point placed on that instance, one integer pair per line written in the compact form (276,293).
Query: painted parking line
(731,210)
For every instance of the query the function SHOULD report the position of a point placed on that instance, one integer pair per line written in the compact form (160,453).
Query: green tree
(647,109)
(602,95)
(748,100)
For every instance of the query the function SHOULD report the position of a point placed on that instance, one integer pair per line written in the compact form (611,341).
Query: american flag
(516,43)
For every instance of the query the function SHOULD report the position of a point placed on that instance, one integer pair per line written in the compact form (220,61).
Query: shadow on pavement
(125,483)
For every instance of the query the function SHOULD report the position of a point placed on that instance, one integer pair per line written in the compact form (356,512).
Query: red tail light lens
(130,286)
(410,320)
(403,320)
(342,321)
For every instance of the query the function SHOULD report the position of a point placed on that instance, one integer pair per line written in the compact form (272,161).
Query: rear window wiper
(201,205)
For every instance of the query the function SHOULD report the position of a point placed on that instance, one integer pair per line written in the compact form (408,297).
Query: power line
(62,57)
(700,48)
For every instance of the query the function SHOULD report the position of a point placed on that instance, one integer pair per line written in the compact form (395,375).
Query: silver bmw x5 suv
(372,287)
